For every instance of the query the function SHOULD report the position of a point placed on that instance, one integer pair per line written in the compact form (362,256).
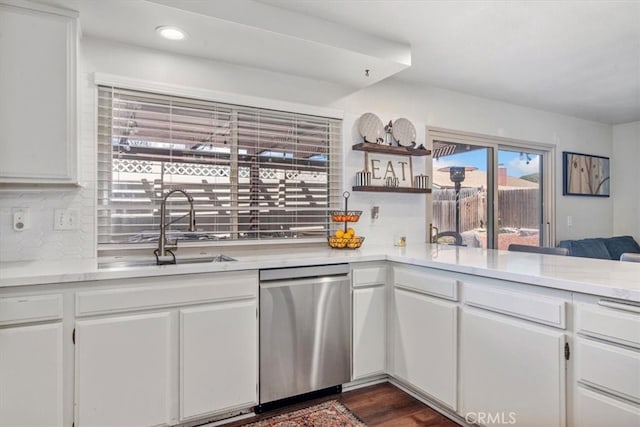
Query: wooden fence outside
(518,208)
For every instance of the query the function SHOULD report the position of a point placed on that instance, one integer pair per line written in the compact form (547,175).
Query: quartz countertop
(606,278)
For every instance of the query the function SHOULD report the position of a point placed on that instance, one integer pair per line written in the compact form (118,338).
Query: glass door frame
(494,144)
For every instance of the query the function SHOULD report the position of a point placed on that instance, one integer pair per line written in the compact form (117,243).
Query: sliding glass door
(489,193)
(460,206)
(519,198)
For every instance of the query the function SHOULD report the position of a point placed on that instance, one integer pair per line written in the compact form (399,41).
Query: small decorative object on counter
(399,240)
(345,238)
(421,181)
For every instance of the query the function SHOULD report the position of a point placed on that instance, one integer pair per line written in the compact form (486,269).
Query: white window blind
(254,174)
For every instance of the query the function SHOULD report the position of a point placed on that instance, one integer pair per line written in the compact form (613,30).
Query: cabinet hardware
(567,351)
(73,338)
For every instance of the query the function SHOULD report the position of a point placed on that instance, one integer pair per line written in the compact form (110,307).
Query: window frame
(334,166)
(494,144)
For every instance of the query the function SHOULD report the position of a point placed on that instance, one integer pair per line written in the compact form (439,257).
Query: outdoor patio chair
(449,238)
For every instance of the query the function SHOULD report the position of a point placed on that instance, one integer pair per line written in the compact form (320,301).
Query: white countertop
(592,276)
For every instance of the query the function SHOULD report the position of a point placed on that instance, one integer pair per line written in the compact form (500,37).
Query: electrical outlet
(20,219)
(569,221)
(65,219)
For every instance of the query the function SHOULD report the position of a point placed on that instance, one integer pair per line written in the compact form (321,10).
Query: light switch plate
(65,219)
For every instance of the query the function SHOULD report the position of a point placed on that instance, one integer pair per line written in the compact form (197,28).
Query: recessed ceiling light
(171,33)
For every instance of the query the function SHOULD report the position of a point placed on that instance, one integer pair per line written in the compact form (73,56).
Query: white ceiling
(580,58)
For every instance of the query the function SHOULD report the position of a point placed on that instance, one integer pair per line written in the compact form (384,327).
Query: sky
(515,165)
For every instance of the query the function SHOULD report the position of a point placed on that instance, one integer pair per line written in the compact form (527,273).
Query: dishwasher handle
(305,281)
(303,272)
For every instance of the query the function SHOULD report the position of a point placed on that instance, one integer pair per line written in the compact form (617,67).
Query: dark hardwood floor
(377,405)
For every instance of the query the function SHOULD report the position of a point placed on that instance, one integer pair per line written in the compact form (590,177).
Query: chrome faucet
(164,246)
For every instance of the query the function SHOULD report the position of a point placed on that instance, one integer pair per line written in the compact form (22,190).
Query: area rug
(327,414)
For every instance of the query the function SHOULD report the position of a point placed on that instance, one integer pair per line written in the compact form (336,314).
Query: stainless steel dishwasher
(305,329)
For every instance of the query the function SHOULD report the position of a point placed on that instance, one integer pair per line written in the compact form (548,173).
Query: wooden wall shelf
(390,149)
(382,189)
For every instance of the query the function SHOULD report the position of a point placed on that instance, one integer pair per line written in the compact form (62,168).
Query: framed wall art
(585,175)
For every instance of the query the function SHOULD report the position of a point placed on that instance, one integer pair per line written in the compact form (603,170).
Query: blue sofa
(601,247)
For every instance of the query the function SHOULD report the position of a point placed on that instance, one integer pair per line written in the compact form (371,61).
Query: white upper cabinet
(38,94)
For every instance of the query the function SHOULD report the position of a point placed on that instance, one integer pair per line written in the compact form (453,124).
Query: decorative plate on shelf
(371,128)
(404,132)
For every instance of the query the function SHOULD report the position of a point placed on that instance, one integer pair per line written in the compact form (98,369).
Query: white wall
(429,106)
(399,213)
(625,180)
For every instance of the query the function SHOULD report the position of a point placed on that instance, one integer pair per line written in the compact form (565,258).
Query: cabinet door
(369,331)
(218,357)
(123,371)
(424,344)
(596,410)
(511,370)
(31,376)
(37,106)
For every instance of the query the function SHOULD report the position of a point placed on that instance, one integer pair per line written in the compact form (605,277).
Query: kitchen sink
(137,261)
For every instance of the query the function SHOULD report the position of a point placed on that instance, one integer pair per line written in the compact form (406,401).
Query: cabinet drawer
(367,276)
(160,292)
(30,309)
(428,281)
(609,368)
(596,410)
(607,324)
(546,310)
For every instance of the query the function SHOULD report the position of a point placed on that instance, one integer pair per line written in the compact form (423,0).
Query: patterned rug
(327,414)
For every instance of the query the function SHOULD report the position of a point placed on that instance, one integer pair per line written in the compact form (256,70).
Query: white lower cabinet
(218,347)
(31,376)
(123,371)
(424,344)
(594,409)
(606,384)
(369,331)
(180,349)
(511,371)
(165,350)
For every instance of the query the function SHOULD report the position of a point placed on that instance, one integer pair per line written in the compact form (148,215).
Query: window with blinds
(254,174)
